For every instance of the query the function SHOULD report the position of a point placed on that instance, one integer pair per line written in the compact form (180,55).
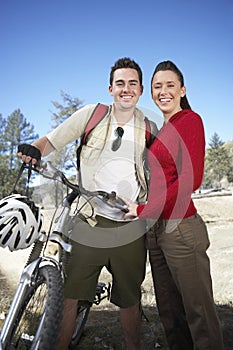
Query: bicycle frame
(29,274)
(35,261)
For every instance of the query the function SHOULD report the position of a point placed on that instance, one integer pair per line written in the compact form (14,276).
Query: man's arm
(28,154)
(44,145)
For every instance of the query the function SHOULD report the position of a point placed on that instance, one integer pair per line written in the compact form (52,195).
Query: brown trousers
(182,282)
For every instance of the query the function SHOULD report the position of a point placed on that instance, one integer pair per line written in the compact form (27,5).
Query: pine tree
(217,162)
(14,130)
(66,158)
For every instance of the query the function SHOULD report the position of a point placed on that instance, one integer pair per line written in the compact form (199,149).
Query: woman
(178,240)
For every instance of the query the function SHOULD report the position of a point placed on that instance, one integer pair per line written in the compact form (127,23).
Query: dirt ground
(217,212)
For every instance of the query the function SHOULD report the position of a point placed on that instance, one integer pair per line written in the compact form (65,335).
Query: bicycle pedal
(100,287)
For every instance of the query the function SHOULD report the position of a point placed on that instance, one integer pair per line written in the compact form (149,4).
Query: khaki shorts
(126,264)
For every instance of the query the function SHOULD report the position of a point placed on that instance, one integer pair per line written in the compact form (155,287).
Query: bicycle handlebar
(49,171)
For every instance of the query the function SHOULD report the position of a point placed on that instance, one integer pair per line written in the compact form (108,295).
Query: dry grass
(103,329)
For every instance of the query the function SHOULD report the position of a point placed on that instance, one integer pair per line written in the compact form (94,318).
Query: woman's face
(166,92)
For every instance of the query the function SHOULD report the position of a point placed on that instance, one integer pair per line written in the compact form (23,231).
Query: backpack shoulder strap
(97,115)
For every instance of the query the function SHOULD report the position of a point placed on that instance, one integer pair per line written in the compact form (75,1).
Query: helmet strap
(23,166)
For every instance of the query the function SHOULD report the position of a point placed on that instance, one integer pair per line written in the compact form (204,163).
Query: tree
(66,158)
(14,130)
(217,162)
(17,131)
(72,104)
(229,148)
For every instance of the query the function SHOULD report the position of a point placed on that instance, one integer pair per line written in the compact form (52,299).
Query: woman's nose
(163,89)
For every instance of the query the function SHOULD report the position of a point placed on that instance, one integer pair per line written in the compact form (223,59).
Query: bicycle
(33,318)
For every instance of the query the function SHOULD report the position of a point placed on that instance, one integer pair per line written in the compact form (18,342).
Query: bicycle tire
(81,319)
(38,321)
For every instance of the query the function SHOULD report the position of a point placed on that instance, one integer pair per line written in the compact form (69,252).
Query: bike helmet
(20,222)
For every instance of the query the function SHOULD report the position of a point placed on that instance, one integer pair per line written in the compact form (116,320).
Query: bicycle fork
(25,281)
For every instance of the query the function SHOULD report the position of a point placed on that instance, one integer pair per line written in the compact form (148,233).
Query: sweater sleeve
(71,129)
(190,167)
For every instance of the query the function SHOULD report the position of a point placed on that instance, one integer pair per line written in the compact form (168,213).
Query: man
(112,160)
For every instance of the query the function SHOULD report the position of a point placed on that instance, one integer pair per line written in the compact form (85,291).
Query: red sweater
(176,160)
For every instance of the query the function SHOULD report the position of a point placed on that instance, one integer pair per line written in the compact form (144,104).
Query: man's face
(126,88)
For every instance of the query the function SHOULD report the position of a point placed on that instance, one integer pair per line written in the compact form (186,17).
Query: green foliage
(13,130)
(229,148)
(218,162)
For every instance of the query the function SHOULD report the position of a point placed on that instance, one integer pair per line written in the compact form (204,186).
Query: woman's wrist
(139,209)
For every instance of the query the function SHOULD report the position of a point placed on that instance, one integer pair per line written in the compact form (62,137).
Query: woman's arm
(190,168)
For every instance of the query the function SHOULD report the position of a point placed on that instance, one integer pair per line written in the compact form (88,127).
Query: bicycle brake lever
(116,202)
(122,208)
(48,171)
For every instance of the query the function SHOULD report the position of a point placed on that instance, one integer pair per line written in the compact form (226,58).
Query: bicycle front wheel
(38,321)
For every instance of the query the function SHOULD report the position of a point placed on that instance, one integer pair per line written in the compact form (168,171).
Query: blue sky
(49,46)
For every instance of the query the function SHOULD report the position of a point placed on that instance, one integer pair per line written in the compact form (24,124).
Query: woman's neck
(168,116)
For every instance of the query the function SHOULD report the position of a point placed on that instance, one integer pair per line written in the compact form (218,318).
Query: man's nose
(127,87)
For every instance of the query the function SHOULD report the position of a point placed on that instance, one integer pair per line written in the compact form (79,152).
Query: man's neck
(123,115)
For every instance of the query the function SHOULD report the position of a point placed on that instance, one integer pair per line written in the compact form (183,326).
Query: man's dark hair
(125,63)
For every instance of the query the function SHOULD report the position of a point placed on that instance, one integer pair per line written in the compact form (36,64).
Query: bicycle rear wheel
(38,321)
(81,319)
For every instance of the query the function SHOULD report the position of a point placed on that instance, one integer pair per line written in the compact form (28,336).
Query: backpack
(97,115)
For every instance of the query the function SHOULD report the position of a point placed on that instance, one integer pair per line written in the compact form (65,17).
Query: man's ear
(110,89)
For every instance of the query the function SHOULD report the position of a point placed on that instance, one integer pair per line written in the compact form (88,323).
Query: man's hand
(29,153)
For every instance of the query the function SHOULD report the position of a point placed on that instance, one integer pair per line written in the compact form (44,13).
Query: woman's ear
(183,91)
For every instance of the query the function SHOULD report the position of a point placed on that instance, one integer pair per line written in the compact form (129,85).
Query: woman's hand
(132,209)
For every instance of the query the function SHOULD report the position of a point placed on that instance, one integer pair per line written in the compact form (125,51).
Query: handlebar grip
(72,196)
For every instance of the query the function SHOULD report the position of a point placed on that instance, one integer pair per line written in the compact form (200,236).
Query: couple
(177,240)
